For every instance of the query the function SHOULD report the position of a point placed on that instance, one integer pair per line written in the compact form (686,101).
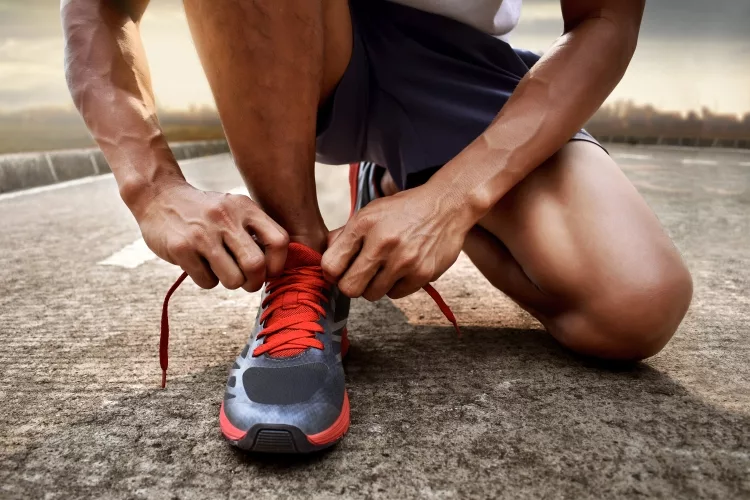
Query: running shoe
(286,391)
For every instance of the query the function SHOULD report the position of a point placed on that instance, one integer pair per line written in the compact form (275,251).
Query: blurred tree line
(646,124)
(45,129)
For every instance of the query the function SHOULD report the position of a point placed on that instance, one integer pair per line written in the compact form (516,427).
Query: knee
(630,319)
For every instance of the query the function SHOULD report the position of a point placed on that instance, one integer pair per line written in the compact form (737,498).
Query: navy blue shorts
(418,89)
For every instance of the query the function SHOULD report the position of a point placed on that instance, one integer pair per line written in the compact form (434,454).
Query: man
(422,88)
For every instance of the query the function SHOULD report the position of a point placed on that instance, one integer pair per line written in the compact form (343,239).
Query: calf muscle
(268,64)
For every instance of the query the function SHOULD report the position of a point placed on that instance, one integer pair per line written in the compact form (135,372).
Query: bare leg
(270,63)
(576,246)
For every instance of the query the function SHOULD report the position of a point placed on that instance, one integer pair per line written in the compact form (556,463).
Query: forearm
(551,103)
(108,77)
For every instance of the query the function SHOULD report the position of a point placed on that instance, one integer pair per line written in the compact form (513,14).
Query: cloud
(29,19)
(691,53)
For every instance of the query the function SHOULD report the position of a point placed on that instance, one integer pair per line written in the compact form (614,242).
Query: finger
(405,287)
(198,270)
(357,278)
(248,257)
(343,250)
(271,236)
(332,235)
(381,284)
(224,266)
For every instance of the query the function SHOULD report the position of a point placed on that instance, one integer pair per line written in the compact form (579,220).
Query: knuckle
(389,241)
(409,260)
(280,239)
(180,247)
(349,290)
(254,264)
(329,266)
(214,255)
(245,201)
(219,212)
(423,274)
(233,282)
(197,236)
(363,222)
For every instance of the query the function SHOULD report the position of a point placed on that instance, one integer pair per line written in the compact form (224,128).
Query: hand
(210,236)
(396,245)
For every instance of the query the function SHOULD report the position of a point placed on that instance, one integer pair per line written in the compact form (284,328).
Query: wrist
(452,204)
(476,180)
(138,192)
(464,195)
(143,172)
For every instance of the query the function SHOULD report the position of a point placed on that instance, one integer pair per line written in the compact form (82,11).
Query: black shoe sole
(276,438)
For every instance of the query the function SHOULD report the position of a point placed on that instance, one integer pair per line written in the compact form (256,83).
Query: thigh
(575,243)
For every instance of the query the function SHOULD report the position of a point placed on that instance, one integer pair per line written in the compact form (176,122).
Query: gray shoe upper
(305,391)
(365,192)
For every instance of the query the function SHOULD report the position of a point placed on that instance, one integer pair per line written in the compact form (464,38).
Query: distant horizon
(60,127)
(203,107)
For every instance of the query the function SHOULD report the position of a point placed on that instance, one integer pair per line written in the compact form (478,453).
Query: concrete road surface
(502,412)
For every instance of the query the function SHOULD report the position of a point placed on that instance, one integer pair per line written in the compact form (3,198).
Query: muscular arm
(554,100)
(208,234)
(108,77)
(399,243)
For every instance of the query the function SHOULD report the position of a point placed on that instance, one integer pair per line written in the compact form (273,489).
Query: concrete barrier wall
(28,170)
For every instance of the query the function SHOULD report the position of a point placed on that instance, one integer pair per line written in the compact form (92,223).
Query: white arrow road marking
(138,253)
(131,256)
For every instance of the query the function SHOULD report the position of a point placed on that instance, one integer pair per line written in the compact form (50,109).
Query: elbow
(623,37)
(616,31)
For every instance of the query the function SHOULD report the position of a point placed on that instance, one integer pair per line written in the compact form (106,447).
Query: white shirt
(496,17)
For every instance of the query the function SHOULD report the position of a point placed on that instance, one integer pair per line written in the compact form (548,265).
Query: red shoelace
(288,327)
(290,318)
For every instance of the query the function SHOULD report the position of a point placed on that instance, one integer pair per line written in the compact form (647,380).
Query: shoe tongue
(299,255)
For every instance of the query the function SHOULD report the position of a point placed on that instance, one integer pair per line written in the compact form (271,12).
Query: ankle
(317,240)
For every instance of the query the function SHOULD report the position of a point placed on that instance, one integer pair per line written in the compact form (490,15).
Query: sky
(691,54)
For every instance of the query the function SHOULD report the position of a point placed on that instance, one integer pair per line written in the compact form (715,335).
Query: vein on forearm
(551,103)
(108,77)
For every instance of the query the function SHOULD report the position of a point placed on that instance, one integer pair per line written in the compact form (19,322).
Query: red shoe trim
(335,431)
(230,431)
(353,174)
(344,342)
